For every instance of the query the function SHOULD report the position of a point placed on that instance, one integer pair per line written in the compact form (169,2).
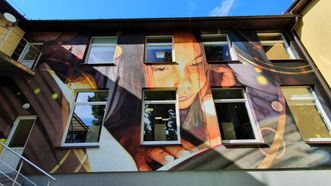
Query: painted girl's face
(187,74)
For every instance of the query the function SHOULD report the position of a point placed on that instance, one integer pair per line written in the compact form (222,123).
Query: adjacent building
(192,97)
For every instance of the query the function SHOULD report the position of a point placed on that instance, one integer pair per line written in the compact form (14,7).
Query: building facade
(228,93)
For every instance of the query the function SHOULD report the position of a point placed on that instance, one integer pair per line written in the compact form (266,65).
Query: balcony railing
(14,46)
(11,163)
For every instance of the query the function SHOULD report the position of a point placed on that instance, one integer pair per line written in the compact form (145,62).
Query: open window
(276,47)
(20,132)
(30,54)
(235,117)
(101,50)
(160,117)
(308,114)
(86,119)
(218,48)
(158,49)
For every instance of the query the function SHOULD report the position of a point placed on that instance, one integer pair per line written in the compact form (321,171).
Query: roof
(297,6)
(153,24)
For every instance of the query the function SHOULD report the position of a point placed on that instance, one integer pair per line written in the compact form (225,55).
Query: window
(101,50)
(275,46)
(21,131)
(87,118)
(158,49)
(308,114)
(234,115)
(30,54)
(160,123)
(217,47)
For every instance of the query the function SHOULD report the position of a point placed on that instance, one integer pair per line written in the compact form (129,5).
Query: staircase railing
(10,175)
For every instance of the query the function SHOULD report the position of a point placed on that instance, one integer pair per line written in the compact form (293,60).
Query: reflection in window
(158,49)
(307,112)
(160,117)
(234,115)
(101,50)
(87,117)
(275,46)
(217,47)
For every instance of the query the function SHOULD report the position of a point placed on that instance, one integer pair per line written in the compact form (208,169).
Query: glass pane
(276,51)
(305,113)
(159,53)
(159,95)
(213,38)
(234,120)
(92,96)
(21,133)
(295,93)
(101,54)
(229,93)
(160,122)
(85,124)
(33,52)
(217,52)
(106,40)
(161,39)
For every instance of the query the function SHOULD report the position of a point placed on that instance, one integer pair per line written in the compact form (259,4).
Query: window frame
(90,45)
(233,54)
(292,54)
(176,102)
(159,44)
(25,51)
(72,109)
(255,128)
(323,115)
(14,128)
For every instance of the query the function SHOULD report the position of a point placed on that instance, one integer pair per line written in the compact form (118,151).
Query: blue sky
(94,9)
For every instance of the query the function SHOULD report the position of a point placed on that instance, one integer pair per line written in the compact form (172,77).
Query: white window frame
(178,141)
(258,137)
(101,45)
(159,44)
(320,109)
(233,54)
(74,104)
(15,125)
(26,49)
(271,43)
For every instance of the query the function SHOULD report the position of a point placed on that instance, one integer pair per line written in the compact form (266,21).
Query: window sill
(80,145)
(242,142)
(286,60)
(159,143)
(318,140)
(161,63)
(223,61)
(98,64)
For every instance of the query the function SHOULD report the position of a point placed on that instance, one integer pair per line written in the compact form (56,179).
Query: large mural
(60,72)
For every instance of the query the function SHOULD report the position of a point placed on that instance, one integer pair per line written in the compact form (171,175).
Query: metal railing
(24,52)
(12,175)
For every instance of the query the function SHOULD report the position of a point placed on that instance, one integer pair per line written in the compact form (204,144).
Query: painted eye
(160,68)
(196,63)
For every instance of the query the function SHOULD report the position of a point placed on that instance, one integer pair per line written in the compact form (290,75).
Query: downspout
(326,88)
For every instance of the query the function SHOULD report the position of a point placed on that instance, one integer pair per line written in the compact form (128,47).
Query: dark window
(22,132)
(216,47)
(234,114)
(160,117)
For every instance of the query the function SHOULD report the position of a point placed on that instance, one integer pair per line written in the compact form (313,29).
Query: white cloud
(223,9)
